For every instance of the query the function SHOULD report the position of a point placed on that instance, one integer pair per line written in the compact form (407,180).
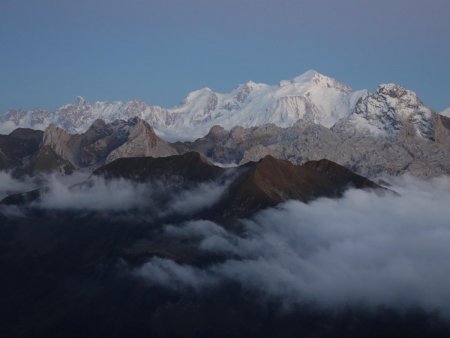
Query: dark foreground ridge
(271,181)
(257,185)
(191,167)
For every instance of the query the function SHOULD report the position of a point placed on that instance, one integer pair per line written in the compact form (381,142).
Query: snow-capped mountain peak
(304,78)
(389,110)
(313,78)
(445,112)
(197,94)
(251,85)
(398,94)
(310,96)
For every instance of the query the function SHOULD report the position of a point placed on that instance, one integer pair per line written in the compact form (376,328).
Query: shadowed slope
(190,166)
(271,181)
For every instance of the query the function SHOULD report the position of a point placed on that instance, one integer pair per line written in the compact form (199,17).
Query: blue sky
(158,51)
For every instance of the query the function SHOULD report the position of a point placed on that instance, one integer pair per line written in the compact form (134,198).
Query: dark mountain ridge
(254,186)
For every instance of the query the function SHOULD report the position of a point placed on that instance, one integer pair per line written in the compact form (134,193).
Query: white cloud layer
(157,198)
(363,249)
(79,191)
(98,194)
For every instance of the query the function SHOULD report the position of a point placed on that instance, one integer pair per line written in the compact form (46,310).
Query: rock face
(104,142)
(142,141)
(60,142)
(442,130)
(48,161)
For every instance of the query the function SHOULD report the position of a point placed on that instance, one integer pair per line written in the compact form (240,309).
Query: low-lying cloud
(202,196)
(10,185)
(97,194)
(157,198)
(362,249)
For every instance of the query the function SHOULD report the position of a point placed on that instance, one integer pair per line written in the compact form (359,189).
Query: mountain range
(390,132)
(312,117)
(312,97)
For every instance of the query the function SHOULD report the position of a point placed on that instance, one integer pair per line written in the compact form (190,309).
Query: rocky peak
(243,91)
(390,110)
(14,116)
(391,89)
(217,133)
(271,181)
(142,141)
(138,127)
(106,142)
(135,107)
(58,140)
(80,101)
(400,96)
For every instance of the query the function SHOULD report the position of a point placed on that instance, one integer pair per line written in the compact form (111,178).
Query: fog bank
(362,249)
